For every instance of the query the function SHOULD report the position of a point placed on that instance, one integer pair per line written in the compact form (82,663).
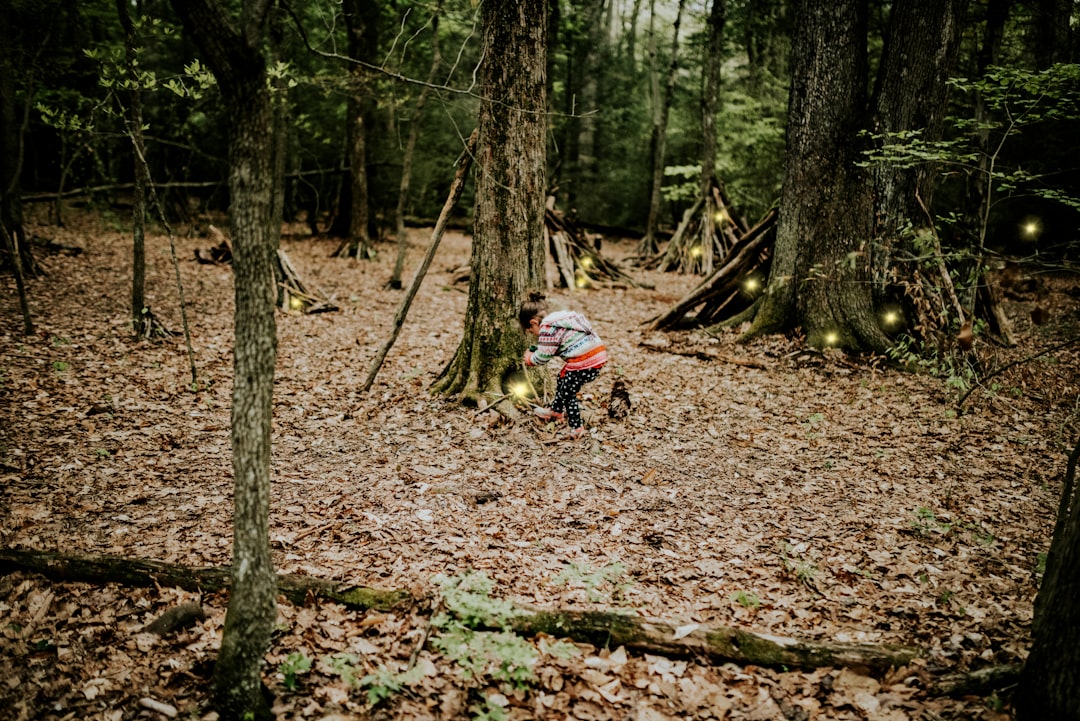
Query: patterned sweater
(568,335)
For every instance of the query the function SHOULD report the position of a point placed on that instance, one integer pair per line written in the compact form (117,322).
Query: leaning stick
(463,164)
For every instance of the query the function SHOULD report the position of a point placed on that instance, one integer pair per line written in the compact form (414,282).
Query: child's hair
(536,305)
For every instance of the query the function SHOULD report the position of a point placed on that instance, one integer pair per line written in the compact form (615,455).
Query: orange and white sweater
(569,336)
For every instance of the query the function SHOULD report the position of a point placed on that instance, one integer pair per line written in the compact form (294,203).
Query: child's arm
(547,347)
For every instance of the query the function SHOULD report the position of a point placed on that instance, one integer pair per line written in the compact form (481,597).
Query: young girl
(569,336)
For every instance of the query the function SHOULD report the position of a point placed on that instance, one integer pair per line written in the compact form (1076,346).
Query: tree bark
(820,272)
(1051,673)
(507,248)
(658,137)
(361,22)
(606,629)
(920,53)
(233,52)
(12,235)
(138,154)
(410,151)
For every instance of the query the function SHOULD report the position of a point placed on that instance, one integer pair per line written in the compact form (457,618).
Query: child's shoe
(547,414)
(576,434)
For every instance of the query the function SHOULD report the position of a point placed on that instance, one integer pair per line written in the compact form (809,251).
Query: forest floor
(763,486)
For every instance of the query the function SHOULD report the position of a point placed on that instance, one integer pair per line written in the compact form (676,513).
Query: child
(568,335)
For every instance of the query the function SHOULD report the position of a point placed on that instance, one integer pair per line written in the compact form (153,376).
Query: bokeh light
(832,338)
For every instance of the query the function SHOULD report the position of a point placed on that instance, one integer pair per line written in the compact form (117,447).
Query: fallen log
(719,644)
(138,572)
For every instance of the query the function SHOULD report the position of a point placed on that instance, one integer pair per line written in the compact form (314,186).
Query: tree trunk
(360,20)
(138,154)
(410,151)
(1051,675)
(657,140)
(234,55)
(820,272)
(920,53)
(507,247)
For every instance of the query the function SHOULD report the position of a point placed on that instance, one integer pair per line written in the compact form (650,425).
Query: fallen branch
(136,572)
(600,628)
(464,162)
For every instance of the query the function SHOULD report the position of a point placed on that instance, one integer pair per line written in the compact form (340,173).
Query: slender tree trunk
(820,272)
(508,250)
(361,21)
(410,150)
(233,52)
(14,251)
(138,147)
(657,141)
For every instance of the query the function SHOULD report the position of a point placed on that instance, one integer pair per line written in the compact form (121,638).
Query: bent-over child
(568,335)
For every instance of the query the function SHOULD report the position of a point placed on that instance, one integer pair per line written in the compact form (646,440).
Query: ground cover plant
(765,486)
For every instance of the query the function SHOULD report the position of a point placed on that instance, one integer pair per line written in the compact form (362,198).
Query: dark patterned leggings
(566,394)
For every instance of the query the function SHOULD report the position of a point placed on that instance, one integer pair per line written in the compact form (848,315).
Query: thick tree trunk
(920,53)
(820,272)
(507,247)
(608,629)
(235,57)
(1051,676)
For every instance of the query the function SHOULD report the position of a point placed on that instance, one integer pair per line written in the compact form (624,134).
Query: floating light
(832,338)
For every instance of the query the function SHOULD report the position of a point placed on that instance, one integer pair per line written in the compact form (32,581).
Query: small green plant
(60,366)
(604,584)
(747,600)
(489,710)
(1040,563)
(344,665)
(294,664)
(805,572)
(102,453)
(925,522)
(385,683)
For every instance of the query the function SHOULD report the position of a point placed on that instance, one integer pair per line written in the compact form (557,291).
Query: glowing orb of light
(891,317)
(832,338)
(586,262)
(751,284)
(696,251)
(720,217)
(1031,228)
(296,302)
(520,390)
(582,282)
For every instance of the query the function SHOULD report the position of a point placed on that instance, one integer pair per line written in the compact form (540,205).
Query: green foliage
(925,523)
(746,599)
(385,683)
(294,664)
(604,584)
(468,602)
(956,370)
(804,571)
